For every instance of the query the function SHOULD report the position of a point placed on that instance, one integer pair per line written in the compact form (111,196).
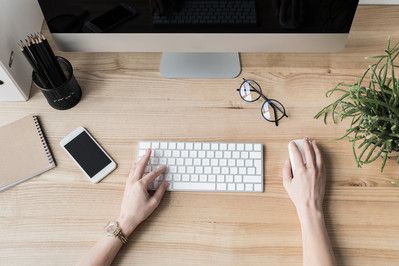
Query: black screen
(203,16)
(88,155)
(111,17)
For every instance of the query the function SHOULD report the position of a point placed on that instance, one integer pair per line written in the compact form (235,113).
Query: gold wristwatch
(113,229)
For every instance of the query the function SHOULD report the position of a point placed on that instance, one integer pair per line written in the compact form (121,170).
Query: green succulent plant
(372,104)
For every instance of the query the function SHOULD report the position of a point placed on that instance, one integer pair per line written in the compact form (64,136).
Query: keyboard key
(193,186)
(206,146)
(223,146)
(218,154)
(252,179)
(258,165)
(172,145)
(257,147)
(202,178)
(188,161)
(231,187)
(238,179)
(248,147)
(180,146)
(167,153)
(231,147)
(214,162)
(199,169)
(193,154)
(190,169)
(181,169)
(194,178)
(240,187)
(145,145)
(221,186)
(185,177)
(233,170)
(163,145)
(197,146)
(176,154)
(189,146)
(225,170)
(249,163)
(220,178)
(255,155)
(211,178)
(205,162)
(251,171)
(249,187)
(208,170)
(258,188)
(240,147)
(216,170)
(214,146)
(229,179)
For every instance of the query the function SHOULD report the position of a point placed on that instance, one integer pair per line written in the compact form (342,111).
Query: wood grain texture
(55,218)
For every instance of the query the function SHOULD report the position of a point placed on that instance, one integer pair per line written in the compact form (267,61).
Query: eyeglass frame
(267,100)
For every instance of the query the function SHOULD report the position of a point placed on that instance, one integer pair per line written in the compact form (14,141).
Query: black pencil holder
(65,96)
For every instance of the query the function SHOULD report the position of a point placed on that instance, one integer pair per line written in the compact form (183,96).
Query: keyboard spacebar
(193,186)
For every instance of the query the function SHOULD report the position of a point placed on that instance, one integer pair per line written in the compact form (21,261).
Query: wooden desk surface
(55,218)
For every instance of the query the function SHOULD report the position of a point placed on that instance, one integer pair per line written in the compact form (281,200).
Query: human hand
(137,203)
(306,185)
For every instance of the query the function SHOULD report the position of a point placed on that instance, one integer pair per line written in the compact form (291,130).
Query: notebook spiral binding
(43,140)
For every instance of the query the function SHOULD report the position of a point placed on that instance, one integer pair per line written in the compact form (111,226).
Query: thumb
(287,173)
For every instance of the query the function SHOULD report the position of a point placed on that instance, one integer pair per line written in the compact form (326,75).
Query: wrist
(127,225)
(308,213)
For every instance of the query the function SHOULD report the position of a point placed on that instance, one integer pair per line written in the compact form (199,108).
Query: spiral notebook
(24,152)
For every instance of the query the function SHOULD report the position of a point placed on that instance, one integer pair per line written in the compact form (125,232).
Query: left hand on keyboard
(137,203)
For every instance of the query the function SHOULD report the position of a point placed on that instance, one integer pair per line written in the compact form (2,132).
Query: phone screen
(87,154)
(112,17)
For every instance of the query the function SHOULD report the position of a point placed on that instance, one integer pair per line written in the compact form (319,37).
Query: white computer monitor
(200,38)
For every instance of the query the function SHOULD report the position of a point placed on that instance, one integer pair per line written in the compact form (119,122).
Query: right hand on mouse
(137,203)
(306,185)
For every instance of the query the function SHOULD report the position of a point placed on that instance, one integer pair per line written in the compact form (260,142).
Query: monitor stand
(200,65)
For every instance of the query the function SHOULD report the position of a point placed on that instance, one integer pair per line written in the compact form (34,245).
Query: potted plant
(372,105)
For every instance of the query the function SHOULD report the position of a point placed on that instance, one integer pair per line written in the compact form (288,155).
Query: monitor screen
(199,16)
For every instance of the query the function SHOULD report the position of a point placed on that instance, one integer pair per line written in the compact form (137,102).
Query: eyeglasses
(272,110)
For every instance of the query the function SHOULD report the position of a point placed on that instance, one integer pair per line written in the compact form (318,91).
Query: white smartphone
(88,154)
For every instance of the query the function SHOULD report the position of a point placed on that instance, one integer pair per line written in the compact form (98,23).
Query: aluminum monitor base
(200,65)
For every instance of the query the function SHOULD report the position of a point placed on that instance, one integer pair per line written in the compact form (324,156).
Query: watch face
(111,228)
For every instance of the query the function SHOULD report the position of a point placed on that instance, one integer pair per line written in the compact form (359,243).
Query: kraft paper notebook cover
(24,152)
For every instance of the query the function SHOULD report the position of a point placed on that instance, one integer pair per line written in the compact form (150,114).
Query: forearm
(317,249)
(103,253)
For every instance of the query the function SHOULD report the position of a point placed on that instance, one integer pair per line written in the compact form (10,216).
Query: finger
(137,170)
(298,161)
(287,173)
(158,195)
(309,153)
(150,177)
(319,157)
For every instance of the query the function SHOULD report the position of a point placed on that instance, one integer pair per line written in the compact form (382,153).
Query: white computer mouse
(299,143)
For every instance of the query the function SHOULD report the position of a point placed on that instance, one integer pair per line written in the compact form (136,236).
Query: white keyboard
(205,166)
